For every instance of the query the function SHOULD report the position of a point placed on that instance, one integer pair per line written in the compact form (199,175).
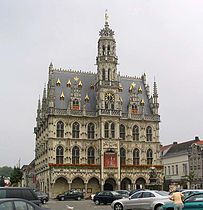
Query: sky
(162,38)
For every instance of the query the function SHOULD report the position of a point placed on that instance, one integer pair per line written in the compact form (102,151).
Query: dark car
(72,194)
(43,197)
(17,203)
(106,197)
(20,192)
(124,193)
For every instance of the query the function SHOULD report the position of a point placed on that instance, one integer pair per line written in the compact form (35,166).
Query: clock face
(109,97)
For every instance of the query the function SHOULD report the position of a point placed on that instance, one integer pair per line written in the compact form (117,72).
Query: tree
(2,184)
(16,176)
(5,171)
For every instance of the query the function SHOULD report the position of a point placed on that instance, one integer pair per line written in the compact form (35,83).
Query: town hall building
(97,131)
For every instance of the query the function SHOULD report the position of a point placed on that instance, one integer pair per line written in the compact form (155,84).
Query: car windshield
(162,193)
(115,193)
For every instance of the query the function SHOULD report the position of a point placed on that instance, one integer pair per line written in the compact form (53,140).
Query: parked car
(124,193)
(193,201)
(106,197)
(186,193)
(20,192)
(43,197)
(18,203)
(72,194)
(143,199)
(134,191)
(92,195)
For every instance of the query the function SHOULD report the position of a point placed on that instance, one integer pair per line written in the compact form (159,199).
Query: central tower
(107,77)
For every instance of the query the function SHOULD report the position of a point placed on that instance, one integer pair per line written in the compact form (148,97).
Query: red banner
(110,160)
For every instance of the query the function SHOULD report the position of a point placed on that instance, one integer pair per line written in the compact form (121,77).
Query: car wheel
(158,208)
(44,201)
(118,206)
(97,202)
(62,198)
(79,198)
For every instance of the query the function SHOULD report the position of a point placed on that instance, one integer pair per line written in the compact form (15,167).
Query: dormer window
(76,105)
(134,108)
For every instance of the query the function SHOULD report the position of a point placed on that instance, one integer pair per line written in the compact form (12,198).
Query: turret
(106,59)
(155,99)
(38,112)
(44,103)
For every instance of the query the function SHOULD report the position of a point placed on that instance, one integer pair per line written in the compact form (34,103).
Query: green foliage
(5,171)
(2,184)
(16,176)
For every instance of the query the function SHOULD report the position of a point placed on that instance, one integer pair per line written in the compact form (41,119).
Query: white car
(142,200)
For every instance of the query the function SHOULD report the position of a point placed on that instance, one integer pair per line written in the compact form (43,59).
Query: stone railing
(105,112)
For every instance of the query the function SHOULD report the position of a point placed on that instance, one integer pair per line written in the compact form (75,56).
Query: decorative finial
(58,82)
(62,96)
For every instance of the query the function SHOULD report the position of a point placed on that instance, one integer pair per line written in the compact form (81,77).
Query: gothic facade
(97,131)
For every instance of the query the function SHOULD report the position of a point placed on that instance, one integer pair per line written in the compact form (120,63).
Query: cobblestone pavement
(77,205)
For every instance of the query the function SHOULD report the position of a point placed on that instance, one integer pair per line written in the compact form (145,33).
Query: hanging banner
(110,160)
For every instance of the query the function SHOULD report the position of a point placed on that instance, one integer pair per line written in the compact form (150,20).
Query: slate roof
(91,78)
(179,149)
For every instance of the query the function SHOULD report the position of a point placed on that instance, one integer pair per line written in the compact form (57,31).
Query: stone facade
(175,159)
(195,156)
(97,131)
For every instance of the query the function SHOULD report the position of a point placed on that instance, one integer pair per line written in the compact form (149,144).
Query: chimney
(175,142)
(196,138)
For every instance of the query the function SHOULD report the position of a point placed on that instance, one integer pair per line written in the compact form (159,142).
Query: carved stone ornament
(110,144)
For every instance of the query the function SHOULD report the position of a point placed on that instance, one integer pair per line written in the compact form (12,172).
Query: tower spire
(106,18)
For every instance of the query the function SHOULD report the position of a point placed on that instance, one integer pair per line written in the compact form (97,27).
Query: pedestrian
(177,198)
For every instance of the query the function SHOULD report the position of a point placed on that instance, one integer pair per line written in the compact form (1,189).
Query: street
(78,205)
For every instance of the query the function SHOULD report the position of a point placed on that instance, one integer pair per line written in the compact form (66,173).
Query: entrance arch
(126,184)
(60,186)
(110,184)
(93,185)
(78,184)
(140,183)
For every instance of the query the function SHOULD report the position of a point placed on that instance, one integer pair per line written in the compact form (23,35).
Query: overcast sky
(163,38)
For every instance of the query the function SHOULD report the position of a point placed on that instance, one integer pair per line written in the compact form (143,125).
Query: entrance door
(108,186)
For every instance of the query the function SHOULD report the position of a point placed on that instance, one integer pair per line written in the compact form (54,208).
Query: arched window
(60,129)
(90,155)
(134,108)
(122,131)
(122,156)
(149,157)
(108,50)
(149,133)
(109,74)
(103,74)
(135,133)
(112,105)
(106,130)
(75,130)
(90,131)
(75,155)
(112,130)
(103,50)
(59,155)
(106,105)
(136,157)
